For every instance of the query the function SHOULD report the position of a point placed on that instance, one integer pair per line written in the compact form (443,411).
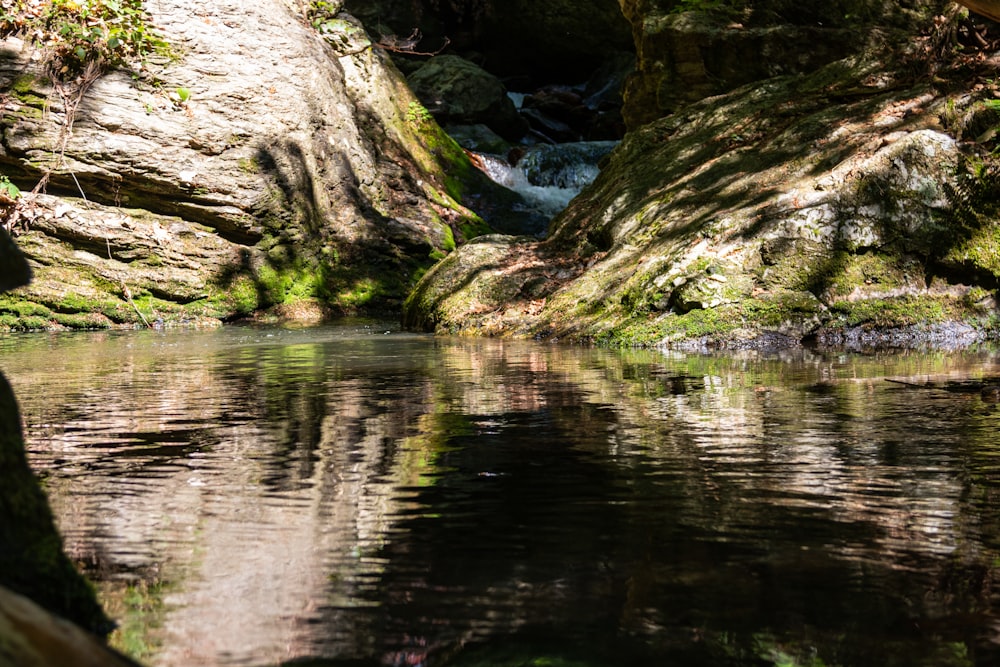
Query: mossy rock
(32,561)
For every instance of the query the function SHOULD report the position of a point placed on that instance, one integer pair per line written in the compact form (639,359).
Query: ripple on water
(250,497)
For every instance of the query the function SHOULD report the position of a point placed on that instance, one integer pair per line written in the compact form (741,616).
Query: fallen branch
(408,45)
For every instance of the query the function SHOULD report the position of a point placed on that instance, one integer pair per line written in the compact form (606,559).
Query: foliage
(8,189)
(9,194)
(973,195)
(82,34)
(321,13)
(417,114)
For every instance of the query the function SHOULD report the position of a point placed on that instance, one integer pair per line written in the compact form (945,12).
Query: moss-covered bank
(853,199)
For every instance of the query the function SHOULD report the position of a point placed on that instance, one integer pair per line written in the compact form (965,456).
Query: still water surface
(357,495)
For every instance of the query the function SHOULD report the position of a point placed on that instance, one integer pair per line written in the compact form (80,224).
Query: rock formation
(271,163)
(845,201)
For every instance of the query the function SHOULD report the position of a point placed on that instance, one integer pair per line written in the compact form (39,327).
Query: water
(358,495)
(549,176)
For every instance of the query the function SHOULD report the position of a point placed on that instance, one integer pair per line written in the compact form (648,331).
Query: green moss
(116,310)
(249,165)
(902,311)
(289,284)
(239,296)
(25,89)
(670,326)
(34,323)
(23,308)
(873,270)
(473,227)
(449,239)
(360,293)
(153,260)
(780,309)
(81,320)
(980,253)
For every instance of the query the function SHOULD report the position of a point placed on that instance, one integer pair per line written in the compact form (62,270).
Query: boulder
(457,91)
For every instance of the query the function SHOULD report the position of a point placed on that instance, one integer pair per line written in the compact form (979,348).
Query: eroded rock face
(288,169)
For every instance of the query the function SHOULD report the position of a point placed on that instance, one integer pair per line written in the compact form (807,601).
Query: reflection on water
(257,497)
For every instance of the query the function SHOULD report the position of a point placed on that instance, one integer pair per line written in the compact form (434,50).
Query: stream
(548,176)
(357,495)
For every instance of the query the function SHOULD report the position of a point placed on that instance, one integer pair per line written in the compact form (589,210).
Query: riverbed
(355,494)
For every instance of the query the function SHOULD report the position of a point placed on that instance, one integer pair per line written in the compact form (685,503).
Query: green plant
(8,189)
(973,194)
(321,13)
(78,35)
(417,114)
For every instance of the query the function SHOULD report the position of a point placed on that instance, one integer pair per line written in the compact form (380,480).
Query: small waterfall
(547,176)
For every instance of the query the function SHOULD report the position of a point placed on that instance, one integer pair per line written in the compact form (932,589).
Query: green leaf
(9,188)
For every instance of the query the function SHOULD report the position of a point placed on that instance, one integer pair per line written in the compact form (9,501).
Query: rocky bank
(789,175)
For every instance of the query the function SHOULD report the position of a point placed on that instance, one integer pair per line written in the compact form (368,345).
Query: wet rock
(590,111)
(458,91)
(478,138)
(569,165)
